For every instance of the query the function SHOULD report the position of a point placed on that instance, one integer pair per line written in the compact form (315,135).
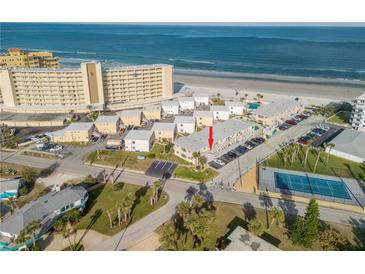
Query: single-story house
(201,99)
(139,140)
(186,103)
(9,188)
(76,132)
(350,145)
(203,118)
(107,124)
(131,117)
(152,112)
(185,124)
(220,113)
(170,107)
(164,131)
(235,107)
(46,209)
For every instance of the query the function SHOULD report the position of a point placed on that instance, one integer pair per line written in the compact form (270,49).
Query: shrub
(151,155)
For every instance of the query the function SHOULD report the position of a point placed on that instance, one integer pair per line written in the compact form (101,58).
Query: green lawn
(218,102)
(229,216)
(341,117)
(120,158)
(336,166)
(158,149)
(189,174)
(105,198)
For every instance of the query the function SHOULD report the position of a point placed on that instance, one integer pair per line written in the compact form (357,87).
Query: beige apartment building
(203,118)
(18,58)
(39,89)
(273,114)
(132,117)
(164,131)
(107,124)
(76,132)
(152,112)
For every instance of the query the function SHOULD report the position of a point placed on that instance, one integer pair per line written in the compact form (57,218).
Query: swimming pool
(329,188)
(6,195)
(253,105)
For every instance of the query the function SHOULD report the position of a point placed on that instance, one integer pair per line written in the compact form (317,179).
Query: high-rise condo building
(18,58)
(35,90)
(357,118)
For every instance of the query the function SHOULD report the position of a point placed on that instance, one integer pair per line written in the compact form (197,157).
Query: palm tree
(330,146)
(109,213)
(119,207)
(306,154)
(202,160)
(183,209)
(319,150)
(278,216)
(11,202)
(157,186)
(256,227)
(29,232)
(128,203)
(197,202)
(196,157)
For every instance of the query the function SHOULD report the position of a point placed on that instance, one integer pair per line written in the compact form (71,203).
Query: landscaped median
(190,174)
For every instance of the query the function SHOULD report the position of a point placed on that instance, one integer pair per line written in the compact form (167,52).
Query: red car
(291,122)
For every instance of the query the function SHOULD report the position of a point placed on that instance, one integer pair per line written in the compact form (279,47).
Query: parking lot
(319,135)
(236,152)
(161,169)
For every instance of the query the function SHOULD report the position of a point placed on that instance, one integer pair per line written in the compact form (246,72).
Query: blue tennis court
(330,188)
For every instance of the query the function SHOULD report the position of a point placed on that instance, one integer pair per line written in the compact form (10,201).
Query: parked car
(291,122)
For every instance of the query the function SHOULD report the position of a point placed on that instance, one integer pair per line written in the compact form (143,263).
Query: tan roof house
(132,117)
(107,124)
(152,112)
(164,131)
(76,132)
(203,118)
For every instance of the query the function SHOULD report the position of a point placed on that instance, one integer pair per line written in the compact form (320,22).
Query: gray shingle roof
(198,140)
(184,120)
(130,113)
(351,142)
(170,103)
(186,99)
(219,108)
(138,135)
(203,113)
(107,119)
(152,108)
(276,108)
(42,209)
(80,126)
(163,127)
(11,184)
(233,104)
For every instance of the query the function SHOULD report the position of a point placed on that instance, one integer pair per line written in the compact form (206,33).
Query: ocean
(319,52)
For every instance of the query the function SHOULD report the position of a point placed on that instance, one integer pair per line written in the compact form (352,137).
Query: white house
(220,113)
(235,107)
(138,140)
(350,145)
(170,107)
(201,99)
(186,103)
(185,124)
(9,188)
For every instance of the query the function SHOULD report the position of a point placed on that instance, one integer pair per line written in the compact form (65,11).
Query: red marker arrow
(210,140)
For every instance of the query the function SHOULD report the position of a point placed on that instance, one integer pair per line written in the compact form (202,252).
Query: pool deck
(267,183)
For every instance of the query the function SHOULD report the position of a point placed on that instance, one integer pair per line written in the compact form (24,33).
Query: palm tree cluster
(29,233)
(193,220)
(155,192)
(123,208)
(199,159)
(256,227)
(290,153)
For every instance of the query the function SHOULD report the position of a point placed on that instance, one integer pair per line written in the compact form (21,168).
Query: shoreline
(336,90)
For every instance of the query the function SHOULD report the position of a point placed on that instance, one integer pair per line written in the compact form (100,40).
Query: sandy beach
(317,91)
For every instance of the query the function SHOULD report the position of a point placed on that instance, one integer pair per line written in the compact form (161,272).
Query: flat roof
(219,108)
(233,104)
(130,113)
(243,240)
(163,127)
(198,140)
(107,119)
(350,141)
(184,120)
(10,184)
(138,135)
(170,103)
(203,113)
(276,108)
(152,108)
(11,116)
